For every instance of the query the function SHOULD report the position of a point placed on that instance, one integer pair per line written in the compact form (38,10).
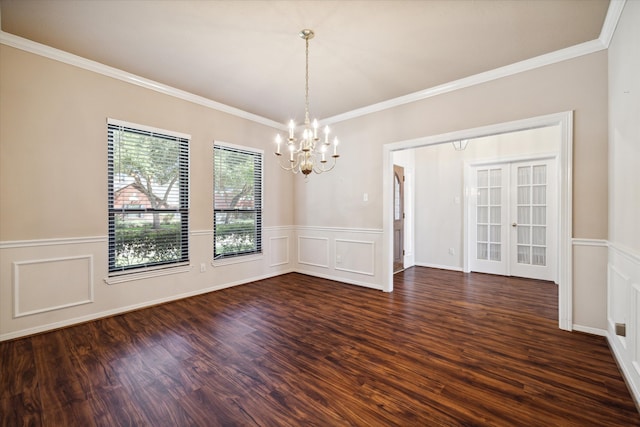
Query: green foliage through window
(237,204)
(148,198)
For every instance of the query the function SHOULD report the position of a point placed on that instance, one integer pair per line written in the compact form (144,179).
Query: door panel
(488,215)
(534,222)
(513,219)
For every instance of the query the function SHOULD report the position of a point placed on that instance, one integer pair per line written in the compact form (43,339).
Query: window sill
(146,274)
(236,260)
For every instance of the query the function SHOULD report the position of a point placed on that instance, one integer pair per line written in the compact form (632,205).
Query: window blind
(148,197)
(237,201)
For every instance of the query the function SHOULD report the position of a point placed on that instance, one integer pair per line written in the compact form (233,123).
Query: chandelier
(307,154)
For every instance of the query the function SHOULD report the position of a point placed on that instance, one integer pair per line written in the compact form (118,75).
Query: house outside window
(148,191)
(237,201)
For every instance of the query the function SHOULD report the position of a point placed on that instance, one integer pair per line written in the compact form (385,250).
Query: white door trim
(565,193)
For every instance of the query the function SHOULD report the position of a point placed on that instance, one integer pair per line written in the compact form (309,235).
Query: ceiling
(247,54)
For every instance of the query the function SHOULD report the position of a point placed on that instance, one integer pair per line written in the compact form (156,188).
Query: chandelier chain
(306,87)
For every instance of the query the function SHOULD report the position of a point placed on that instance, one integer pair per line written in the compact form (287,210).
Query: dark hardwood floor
(444,349)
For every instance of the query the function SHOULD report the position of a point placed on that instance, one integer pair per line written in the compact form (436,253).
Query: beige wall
(579,84)
(53,186)
(54,147)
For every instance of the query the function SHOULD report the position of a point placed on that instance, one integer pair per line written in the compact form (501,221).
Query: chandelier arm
(320,169)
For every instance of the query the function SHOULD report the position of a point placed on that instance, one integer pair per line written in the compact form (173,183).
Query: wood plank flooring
(444,349)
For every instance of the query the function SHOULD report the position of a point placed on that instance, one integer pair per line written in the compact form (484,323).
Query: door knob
(514,225)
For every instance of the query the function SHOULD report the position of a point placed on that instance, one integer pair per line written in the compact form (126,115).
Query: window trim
(248,255)
(116,274)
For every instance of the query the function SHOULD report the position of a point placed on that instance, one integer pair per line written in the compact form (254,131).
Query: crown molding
(498,73)
(611,21)
(602,43)
(97,67)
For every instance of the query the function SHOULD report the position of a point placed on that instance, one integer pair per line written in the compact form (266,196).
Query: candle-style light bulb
(315,128)
(335,146)
(326,135)
(292,127)
(278,142)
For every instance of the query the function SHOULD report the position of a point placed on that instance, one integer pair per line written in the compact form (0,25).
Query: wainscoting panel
(624,308)
(313,251)
(355,256)
(279,248)
(50,284)
(618,296)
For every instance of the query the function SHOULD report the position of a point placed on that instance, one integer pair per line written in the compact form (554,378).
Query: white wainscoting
(279,248)
(349,255)
(52,283)
(355,256)
(313,251)
(36,284)
(624,307)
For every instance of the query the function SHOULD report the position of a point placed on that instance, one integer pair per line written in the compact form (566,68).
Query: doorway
(564,122)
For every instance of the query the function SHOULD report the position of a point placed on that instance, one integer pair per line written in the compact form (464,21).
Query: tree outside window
(148,198)
(237,212)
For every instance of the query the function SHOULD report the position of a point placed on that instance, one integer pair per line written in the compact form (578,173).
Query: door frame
(565,196)
(397,168)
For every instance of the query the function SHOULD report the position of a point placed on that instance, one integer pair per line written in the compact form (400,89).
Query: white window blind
(148,197)
(237,201)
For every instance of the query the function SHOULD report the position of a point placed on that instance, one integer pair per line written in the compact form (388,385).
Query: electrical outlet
(452,251)
(338,259)
(203,267)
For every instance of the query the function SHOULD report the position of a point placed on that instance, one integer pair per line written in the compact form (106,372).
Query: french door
(513,219)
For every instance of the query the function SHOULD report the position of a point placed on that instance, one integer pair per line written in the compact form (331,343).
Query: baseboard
(589,330)
(438,266)
(338,279)
(628,378)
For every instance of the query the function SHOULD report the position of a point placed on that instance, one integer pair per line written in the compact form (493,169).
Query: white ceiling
(247,54)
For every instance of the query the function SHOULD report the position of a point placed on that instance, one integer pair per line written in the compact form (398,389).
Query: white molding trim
(237,259)
(439,266)
(590,330)
(611,21)
(14,244)
(16,285)
(565,197)
(572,52)
(128,276)
(286,239)
(359,242)
(338,229)
(624,368)
(339,279)
(325,239)
(606,34)
(630,254)
(97,67)
(589,242)
(120,310)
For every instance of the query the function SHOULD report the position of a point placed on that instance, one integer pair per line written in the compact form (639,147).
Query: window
(148,197)
(237,201)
